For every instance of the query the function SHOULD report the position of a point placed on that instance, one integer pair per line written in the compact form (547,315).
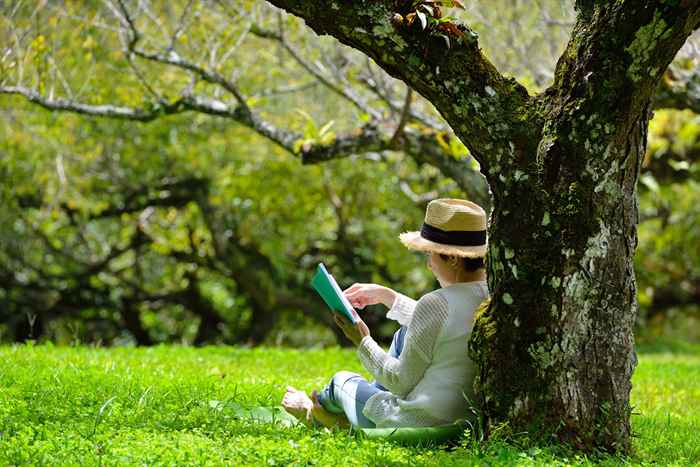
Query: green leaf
(310,129)
(453,3)
(650,182)
(428,9)
(325,128)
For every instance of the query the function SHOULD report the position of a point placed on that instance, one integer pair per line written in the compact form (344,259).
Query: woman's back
(452,371)
(440,331)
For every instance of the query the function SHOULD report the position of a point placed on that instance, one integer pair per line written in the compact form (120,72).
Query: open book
(328,289)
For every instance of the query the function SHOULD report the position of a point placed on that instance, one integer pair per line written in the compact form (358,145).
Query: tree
(119,241)
(129,159)
(555,344)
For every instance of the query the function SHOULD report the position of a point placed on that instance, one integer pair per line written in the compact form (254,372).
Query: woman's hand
(361,295)
(354,332)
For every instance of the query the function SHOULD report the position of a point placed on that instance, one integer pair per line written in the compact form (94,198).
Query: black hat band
(457,237)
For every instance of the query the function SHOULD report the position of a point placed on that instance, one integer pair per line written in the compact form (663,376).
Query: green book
(328,289)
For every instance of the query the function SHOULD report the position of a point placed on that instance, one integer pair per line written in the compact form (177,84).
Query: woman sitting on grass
(425,379)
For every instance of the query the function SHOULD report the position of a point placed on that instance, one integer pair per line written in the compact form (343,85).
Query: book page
(348,307)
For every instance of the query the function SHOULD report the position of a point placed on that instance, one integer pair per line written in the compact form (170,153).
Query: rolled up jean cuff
(348,393)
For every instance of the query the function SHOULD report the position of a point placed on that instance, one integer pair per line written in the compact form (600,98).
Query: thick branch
(601,79)
(670,166)
(423,148)
(481,105)
(619,72)
(684,293)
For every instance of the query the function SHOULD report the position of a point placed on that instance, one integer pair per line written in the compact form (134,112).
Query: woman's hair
(469,264)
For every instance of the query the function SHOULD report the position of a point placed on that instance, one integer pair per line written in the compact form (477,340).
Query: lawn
(175,405)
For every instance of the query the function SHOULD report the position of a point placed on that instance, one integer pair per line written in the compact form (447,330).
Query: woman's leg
(309,411)
(343,398)
(397,342)
(347,393)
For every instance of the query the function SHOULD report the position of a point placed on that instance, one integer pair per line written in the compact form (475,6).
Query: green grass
(62,405)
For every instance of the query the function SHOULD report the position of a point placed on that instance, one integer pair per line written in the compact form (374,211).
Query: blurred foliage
(194,229)
(668,255)
(90,194)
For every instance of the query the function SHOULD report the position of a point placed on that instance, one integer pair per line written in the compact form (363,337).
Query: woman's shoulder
(442,297)
(463,290)
(434,298)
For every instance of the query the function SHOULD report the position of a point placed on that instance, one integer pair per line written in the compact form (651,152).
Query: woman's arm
(361,295)
(400,306)
(400,375)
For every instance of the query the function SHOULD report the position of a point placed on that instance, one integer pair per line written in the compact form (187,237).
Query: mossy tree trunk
(555,346)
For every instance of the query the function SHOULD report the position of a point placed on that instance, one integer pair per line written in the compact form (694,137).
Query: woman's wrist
(359,342)
(389,296)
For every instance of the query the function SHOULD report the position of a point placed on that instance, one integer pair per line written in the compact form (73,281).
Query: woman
(425,379)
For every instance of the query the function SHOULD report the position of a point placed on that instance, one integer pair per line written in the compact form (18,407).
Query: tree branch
(422,147)
(684,293)
(482,106)
(345,92)
(649,36)
(674,165)
(404,117)
(149,113)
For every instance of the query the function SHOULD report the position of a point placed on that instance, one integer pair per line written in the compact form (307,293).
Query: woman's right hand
(361,295)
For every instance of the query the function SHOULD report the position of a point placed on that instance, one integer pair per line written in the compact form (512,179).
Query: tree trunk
(210,321)
(555,346)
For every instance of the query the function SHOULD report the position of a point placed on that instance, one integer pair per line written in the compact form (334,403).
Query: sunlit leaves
(312,134)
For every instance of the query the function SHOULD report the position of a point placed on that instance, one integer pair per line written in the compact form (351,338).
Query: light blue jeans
(347,392)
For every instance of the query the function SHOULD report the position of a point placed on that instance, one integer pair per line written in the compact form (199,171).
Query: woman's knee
(341,377)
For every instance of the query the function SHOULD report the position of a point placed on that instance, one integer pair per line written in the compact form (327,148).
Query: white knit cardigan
(431,381)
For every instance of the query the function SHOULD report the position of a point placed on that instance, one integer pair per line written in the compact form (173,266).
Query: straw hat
(451,227)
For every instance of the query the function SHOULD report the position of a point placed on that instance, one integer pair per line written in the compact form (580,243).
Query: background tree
(555,347)
(345,223)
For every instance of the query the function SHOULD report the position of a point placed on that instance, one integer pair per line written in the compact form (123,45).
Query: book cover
(328,289)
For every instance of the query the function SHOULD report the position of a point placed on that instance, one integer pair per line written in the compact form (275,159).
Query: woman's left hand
(354,332)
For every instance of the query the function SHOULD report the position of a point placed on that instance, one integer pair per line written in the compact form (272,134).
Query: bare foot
(298,404)
(306,409)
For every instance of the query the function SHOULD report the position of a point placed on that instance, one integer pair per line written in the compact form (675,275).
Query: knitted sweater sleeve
(400,375)
(402,309)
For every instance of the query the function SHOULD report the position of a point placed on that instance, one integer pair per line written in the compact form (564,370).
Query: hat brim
(414,241)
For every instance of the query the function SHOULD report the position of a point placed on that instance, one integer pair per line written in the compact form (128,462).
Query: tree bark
(555,345)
